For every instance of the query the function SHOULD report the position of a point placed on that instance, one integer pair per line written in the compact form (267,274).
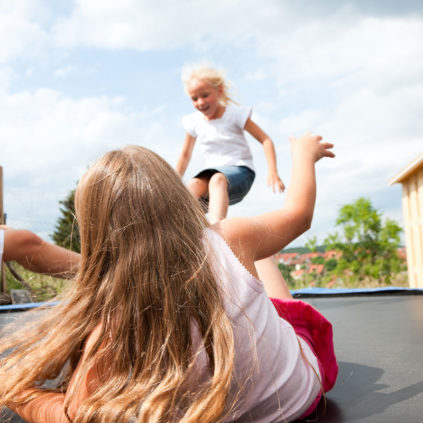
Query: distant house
(316,269)
(402,253)
(313,269)
(411,178)
(332,254)
(286,258)
(307,257)
(298,273)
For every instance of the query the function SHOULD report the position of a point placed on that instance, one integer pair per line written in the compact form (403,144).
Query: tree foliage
(311,243)
(368,245)
(286,273)
(66,231)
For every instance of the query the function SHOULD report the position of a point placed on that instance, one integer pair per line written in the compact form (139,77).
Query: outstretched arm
(262,236)
(37,255)
(185,156)
(273,179)
(47,408)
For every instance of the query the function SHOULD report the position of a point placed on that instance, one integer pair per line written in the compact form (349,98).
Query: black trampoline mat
(379,346)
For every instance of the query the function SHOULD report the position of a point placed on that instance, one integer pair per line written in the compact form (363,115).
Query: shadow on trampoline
(359,393)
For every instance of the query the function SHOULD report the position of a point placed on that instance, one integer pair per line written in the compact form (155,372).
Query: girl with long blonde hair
(166,320)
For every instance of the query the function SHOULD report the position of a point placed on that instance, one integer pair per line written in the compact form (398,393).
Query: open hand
(275,182)
(311,146)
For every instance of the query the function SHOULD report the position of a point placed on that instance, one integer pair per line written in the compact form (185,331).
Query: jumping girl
(218,125)
(166,320)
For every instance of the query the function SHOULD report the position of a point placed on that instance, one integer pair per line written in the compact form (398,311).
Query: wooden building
(411,178)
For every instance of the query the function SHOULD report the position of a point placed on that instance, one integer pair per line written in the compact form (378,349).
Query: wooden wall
(412,204)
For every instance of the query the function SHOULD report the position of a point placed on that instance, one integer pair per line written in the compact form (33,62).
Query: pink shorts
(316,330)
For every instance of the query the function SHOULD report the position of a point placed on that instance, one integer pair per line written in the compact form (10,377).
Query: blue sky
(78,78)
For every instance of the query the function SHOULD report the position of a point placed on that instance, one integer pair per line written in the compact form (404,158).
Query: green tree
(286,273)
(318,260)
(368,246)
(330,264)
(311,243)
(66,231)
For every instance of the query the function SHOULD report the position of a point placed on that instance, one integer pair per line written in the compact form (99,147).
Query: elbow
(304,223)
(29,242)
(307,221)
(25,245)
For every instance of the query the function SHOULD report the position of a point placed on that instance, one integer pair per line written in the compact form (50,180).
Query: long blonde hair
(144,278)
(214,77)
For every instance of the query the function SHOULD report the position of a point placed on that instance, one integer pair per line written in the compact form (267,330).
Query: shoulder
(191,121)
(239,108)
(191,117)
(238,114)
(237,233)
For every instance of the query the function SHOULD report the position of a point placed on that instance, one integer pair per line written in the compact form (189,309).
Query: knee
(198,187)
(218,180)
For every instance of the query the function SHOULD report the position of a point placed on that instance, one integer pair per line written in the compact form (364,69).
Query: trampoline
(378,338)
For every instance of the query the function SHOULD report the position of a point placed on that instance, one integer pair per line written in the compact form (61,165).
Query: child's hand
(309,146)
(275,182)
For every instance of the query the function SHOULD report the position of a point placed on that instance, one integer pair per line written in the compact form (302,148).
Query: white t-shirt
(279,384)
(222,141)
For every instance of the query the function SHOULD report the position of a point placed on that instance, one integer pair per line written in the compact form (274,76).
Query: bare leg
(199,187)
(218,197)
(37,255)
(273,281)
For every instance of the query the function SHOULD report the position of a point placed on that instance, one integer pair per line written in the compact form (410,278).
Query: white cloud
(164,24)
(63,72)
(257,75)
(6,76)
(48,140)
(20,32)
(356,78)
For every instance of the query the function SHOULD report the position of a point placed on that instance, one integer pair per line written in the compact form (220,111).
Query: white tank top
(279,384)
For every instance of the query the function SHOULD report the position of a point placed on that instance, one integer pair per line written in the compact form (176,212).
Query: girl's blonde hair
(145,279)
(214,77)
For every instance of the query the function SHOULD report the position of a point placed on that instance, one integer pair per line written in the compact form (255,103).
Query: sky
(78,78)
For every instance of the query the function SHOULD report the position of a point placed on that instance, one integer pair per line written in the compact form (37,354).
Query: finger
(275,185)
(327,146)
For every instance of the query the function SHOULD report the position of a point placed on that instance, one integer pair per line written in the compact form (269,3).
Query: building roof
(414,165)
(286,257)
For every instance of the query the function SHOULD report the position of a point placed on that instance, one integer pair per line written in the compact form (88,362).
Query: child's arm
(48,408)
(37,255)
(262,236)
(186,153)
(273,179)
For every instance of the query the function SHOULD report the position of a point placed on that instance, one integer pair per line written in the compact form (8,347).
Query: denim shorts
(240,179)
